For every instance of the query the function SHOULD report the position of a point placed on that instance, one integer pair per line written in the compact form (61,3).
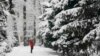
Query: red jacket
(31,43)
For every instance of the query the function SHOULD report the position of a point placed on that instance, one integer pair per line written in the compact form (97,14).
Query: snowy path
(25,51)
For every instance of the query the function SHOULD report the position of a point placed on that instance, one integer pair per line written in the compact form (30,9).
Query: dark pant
(31,49)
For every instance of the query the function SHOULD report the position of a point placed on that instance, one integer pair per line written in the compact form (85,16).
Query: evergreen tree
(5,10)
(73,24)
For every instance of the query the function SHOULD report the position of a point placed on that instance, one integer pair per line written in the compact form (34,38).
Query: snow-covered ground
(25,51)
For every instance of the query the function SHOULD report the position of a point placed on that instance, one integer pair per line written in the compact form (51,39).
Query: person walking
(31,44)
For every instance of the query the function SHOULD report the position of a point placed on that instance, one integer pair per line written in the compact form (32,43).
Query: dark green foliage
(73,24)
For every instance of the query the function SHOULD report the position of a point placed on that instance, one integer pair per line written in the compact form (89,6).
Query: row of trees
(71,25)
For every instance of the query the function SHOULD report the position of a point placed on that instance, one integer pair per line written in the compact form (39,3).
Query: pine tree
(5,11)
(73,23)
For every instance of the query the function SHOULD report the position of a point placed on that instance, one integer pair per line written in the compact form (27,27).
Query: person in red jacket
(32,43)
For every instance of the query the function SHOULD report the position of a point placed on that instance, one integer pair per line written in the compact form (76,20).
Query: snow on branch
(68,15)
(72,12)
(59,4)
(49,12)
(74,24)
(43,24)
(46,4)
(92,35)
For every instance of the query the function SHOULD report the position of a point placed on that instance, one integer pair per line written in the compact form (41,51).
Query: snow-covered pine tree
(5,10)
(73,24)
